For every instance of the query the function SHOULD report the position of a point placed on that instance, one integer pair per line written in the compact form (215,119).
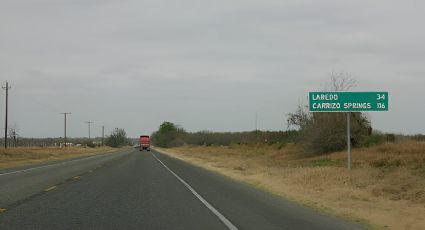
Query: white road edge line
(45,166)
(220,216)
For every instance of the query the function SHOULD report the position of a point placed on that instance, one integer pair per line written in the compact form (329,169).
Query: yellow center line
(3,210)
(50,189)
(76,177)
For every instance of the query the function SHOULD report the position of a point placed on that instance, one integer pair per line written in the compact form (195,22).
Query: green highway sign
(348,101)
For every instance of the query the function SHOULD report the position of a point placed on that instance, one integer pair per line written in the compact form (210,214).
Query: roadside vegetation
(171,135)
(317,139)
(25,153)
(118,138)
(313,133)
(15,157)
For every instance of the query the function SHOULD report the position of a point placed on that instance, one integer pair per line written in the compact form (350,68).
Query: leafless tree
(13,135)
(341,82)
(301,118)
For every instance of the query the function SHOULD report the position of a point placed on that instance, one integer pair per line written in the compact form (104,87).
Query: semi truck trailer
(145,143)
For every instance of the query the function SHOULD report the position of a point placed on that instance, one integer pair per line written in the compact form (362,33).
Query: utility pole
(89,123)
(103,135)
(7,99)
(65,125)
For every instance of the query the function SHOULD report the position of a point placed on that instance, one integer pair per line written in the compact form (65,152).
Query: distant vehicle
(144,143)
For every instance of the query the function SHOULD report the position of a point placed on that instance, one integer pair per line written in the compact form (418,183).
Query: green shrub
(327,132)
(118,138)
(374,139)
(167,135)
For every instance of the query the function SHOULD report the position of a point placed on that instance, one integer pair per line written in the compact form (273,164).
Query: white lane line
(45,166)
(220,216)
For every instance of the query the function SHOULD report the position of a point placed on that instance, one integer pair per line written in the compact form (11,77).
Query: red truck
(145,143)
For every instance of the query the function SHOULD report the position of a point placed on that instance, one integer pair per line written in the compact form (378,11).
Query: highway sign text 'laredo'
(348,101)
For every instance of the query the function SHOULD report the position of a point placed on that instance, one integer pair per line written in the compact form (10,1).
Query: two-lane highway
(148,190)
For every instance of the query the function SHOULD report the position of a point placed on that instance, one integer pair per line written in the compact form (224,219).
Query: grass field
(15,157)
(385,189)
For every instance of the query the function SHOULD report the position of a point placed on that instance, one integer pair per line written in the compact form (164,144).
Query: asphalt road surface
(143,190)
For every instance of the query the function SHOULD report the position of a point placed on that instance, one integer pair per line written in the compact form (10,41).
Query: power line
(65,125)
(7,87)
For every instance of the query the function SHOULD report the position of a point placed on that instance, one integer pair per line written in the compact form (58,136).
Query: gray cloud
(203,64)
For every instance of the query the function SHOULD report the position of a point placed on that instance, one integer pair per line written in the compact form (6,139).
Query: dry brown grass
(15,157)
(386,187)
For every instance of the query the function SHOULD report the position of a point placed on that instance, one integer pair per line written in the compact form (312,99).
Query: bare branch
(341,82)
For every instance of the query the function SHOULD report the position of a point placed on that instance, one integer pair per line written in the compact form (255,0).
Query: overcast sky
(206,65)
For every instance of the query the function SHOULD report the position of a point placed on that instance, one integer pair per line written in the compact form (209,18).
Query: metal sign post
(349,140)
